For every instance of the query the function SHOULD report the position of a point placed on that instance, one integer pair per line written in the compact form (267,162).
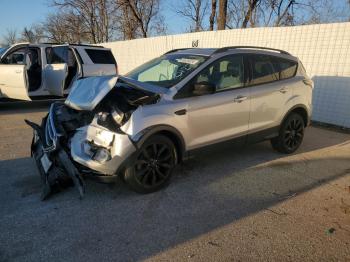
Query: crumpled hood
(87,93)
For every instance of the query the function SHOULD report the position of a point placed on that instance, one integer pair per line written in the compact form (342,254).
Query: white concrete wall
(324,50)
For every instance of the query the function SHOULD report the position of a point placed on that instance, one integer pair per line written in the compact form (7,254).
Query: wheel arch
(301,110)
(170,132)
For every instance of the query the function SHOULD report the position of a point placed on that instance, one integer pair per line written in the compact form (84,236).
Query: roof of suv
(212,51)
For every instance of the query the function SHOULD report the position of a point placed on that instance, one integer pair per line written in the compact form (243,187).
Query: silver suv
(141,125)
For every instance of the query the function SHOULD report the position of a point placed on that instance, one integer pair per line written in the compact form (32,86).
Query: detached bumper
(54,165)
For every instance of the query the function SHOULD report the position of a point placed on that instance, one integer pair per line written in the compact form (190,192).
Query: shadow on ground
(112,223)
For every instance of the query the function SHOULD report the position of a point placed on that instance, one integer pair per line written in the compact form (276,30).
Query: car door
(13,79)
(97,61)
(269,92)
(225,114)
(56,69)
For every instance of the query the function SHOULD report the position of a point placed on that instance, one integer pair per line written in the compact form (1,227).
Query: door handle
(283,90)
(181,112)
(18,71)
(239,99)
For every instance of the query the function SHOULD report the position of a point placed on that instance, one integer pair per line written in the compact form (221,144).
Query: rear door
(97,61)
(13,79)
(56,69)
(270,88)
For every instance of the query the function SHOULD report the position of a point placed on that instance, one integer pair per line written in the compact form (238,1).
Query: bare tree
(33,34)
(93,14)
(65,27)
(143,11)
(252,5)
(10,37)
(213,14)
(194,10)
(222,14)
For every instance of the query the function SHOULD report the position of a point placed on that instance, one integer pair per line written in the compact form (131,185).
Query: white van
(31,71)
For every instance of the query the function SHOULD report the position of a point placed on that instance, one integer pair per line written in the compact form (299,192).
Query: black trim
(303,107)
(146,133)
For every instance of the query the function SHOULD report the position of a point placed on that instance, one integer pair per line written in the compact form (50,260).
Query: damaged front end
(84,136)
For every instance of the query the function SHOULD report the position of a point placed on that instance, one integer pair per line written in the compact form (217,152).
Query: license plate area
(45,162)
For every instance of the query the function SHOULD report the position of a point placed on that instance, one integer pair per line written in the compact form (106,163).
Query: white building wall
(324,50)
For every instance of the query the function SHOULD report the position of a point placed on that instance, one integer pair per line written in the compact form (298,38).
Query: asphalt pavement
(226,204)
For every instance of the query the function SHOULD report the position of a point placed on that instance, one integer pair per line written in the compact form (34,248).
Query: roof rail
(223,49)
(178,49)
(72,44)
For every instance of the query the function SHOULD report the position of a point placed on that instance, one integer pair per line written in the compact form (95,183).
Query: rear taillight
(116,70)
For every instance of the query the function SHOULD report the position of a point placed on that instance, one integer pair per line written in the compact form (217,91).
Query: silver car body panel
(86,93)
(209,118)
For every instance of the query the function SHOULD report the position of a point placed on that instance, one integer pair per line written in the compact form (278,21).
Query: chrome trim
(51,133)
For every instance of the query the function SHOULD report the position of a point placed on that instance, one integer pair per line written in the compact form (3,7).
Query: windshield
(2,50)
(167,70)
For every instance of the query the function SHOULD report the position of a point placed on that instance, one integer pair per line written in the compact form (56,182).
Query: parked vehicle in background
(141,125)
(29,71)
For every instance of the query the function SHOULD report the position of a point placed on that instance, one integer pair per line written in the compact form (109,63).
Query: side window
(17,57)
(57,55)
(262,70)
(101,56)
(284,67)
(225,73)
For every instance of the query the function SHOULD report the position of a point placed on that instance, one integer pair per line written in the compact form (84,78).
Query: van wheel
(291,134)
(152,166)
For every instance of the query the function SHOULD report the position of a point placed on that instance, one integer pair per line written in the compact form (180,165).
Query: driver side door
(13,79)
(224,114)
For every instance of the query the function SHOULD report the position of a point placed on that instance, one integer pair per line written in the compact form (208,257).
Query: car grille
(51,133)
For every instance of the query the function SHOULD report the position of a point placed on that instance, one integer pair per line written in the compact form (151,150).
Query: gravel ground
(226,204)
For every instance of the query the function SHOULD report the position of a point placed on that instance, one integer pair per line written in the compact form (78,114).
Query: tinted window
(100,56)
(285,68)
(16,57)
(57,55)
(262,70)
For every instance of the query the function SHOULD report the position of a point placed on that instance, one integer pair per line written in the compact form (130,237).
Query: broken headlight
(101,155)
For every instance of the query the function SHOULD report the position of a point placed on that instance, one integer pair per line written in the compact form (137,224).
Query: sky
(17,14)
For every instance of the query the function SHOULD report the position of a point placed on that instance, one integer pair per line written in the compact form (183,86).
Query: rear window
(262,70)
(57,55)
(100,56)
(284,67)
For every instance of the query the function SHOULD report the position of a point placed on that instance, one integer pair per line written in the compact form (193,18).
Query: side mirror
(203,88)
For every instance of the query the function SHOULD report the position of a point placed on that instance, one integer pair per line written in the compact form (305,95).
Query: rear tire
(291,134)
(152,166)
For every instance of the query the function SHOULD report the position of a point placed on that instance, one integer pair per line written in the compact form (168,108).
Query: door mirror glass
(203,88)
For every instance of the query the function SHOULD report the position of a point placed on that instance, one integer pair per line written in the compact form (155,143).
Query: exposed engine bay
(72,143)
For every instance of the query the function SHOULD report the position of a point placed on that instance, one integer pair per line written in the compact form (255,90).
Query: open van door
(56,69)
(13,74)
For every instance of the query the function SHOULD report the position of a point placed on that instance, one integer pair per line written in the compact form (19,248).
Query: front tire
(152,166)
(291,134)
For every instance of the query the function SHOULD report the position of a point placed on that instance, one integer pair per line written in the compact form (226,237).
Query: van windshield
(167,70)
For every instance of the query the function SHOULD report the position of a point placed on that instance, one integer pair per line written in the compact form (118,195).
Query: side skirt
(237,142)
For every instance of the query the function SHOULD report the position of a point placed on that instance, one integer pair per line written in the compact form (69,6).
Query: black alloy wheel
(291,134)
(153,165)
